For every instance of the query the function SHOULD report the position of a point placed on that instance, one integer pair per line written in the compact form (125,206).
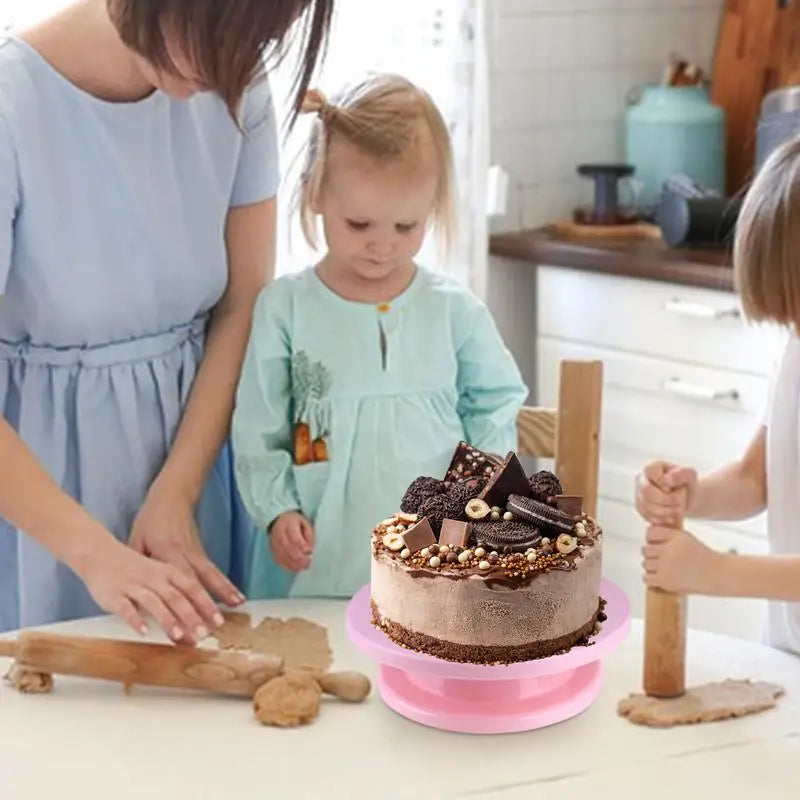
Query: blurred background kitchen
(629,129)
(601,146)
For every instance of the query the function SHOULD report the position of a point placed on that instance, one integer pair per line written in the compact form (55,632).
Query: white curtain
(439,45)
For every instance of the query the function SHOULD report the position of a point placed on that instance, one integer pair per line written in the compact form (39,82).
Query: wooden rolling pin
(665,642)
(178,666)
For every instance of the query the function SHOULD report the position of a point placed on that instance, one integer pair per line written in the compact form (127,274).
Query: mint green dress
(342,404)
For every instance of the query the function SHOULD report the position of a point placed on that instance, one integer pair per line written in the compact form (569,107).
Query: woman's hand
(676,561)
(128,584)
(165,529)
(291,540)
(664,493)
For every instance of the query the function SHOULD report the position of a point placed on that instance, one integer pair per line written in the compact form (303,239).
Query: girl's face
(374,215)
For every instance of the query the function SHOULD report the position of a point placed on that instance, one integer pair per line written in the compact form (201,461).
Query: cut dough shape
(709,703)
(302,644)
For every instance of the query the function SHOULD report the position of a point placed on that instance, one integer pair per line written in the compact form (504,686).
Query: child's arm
(735,491)
(490,387)
(262,418)
(678,562)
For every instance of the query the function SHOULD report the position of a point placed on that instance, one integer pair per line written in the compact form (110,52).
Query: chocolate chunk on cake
(570,504)
(455,533)
(420,535)
(469,462)
(509,478)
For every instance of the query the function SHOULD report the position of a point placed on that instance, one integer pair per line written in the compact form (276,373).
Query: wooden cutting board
(758,49)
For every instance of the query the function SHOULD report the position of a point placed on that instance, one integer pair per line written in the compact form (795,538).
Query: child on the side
(767,272)
(364,371)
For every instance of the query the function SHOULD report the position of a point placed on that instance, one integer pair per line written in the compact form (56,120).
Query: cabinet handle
(688,309)
(693,390)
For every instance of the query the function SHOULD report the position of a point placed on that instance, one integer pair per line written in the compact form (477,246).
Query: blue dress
(342,404)
(112,256)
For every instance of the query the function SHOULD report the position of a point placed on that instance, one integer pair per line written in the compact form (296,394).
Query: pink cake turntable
(476,698)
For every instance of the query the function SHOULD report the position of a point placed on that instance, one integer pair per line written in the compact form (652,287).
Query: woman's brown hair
(226,40)
(766,252)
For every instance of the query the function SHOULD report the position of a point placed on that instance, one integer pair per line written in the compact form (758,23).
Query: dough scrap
(301,643)
(709,703)
(287,701)
(29,681)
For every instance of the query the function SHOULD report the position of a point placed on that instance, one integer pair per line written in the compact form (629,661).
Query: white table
(89,740)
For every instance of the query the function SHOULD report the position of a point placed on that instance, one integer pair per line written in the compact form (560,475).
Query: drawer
(689,324)
(657,408)
(623,536)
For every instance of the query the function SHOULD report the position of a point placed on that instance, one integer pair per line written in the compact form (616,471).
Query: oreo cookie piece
(469,462)
(512,536)
(539,513)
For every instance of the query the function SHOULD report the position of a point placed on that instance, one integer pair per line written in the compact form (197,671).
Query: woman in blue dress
(138,170)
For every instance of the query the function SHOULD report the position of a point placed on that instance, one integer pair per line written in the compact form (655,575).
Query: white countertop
(89,740)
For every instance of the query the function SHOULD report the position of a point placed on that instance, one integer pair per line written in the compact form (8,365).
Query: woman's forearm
(250,245)
(32,501)
(768,577)
(206,420)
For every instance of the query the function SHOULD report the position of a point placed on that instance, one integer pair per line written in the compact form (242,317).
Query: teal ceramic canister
(671,129)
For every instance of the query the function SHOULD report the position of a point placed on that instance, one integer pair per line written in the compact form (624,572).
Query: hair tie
(314,102)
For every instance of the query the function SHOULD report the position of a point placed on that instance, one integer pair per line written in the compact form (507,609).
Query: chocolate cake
(488,565)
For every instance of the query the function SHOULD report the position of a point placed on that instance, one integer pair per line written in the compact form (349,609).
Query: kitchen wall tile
(560,74)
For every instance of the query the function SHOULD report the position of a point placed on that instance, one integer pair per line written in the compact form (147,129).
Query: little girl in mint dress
(342,403)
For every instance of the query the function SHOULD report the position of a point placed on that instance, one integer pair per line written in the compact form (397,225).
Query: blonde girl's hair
(766,251)
(388,118)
